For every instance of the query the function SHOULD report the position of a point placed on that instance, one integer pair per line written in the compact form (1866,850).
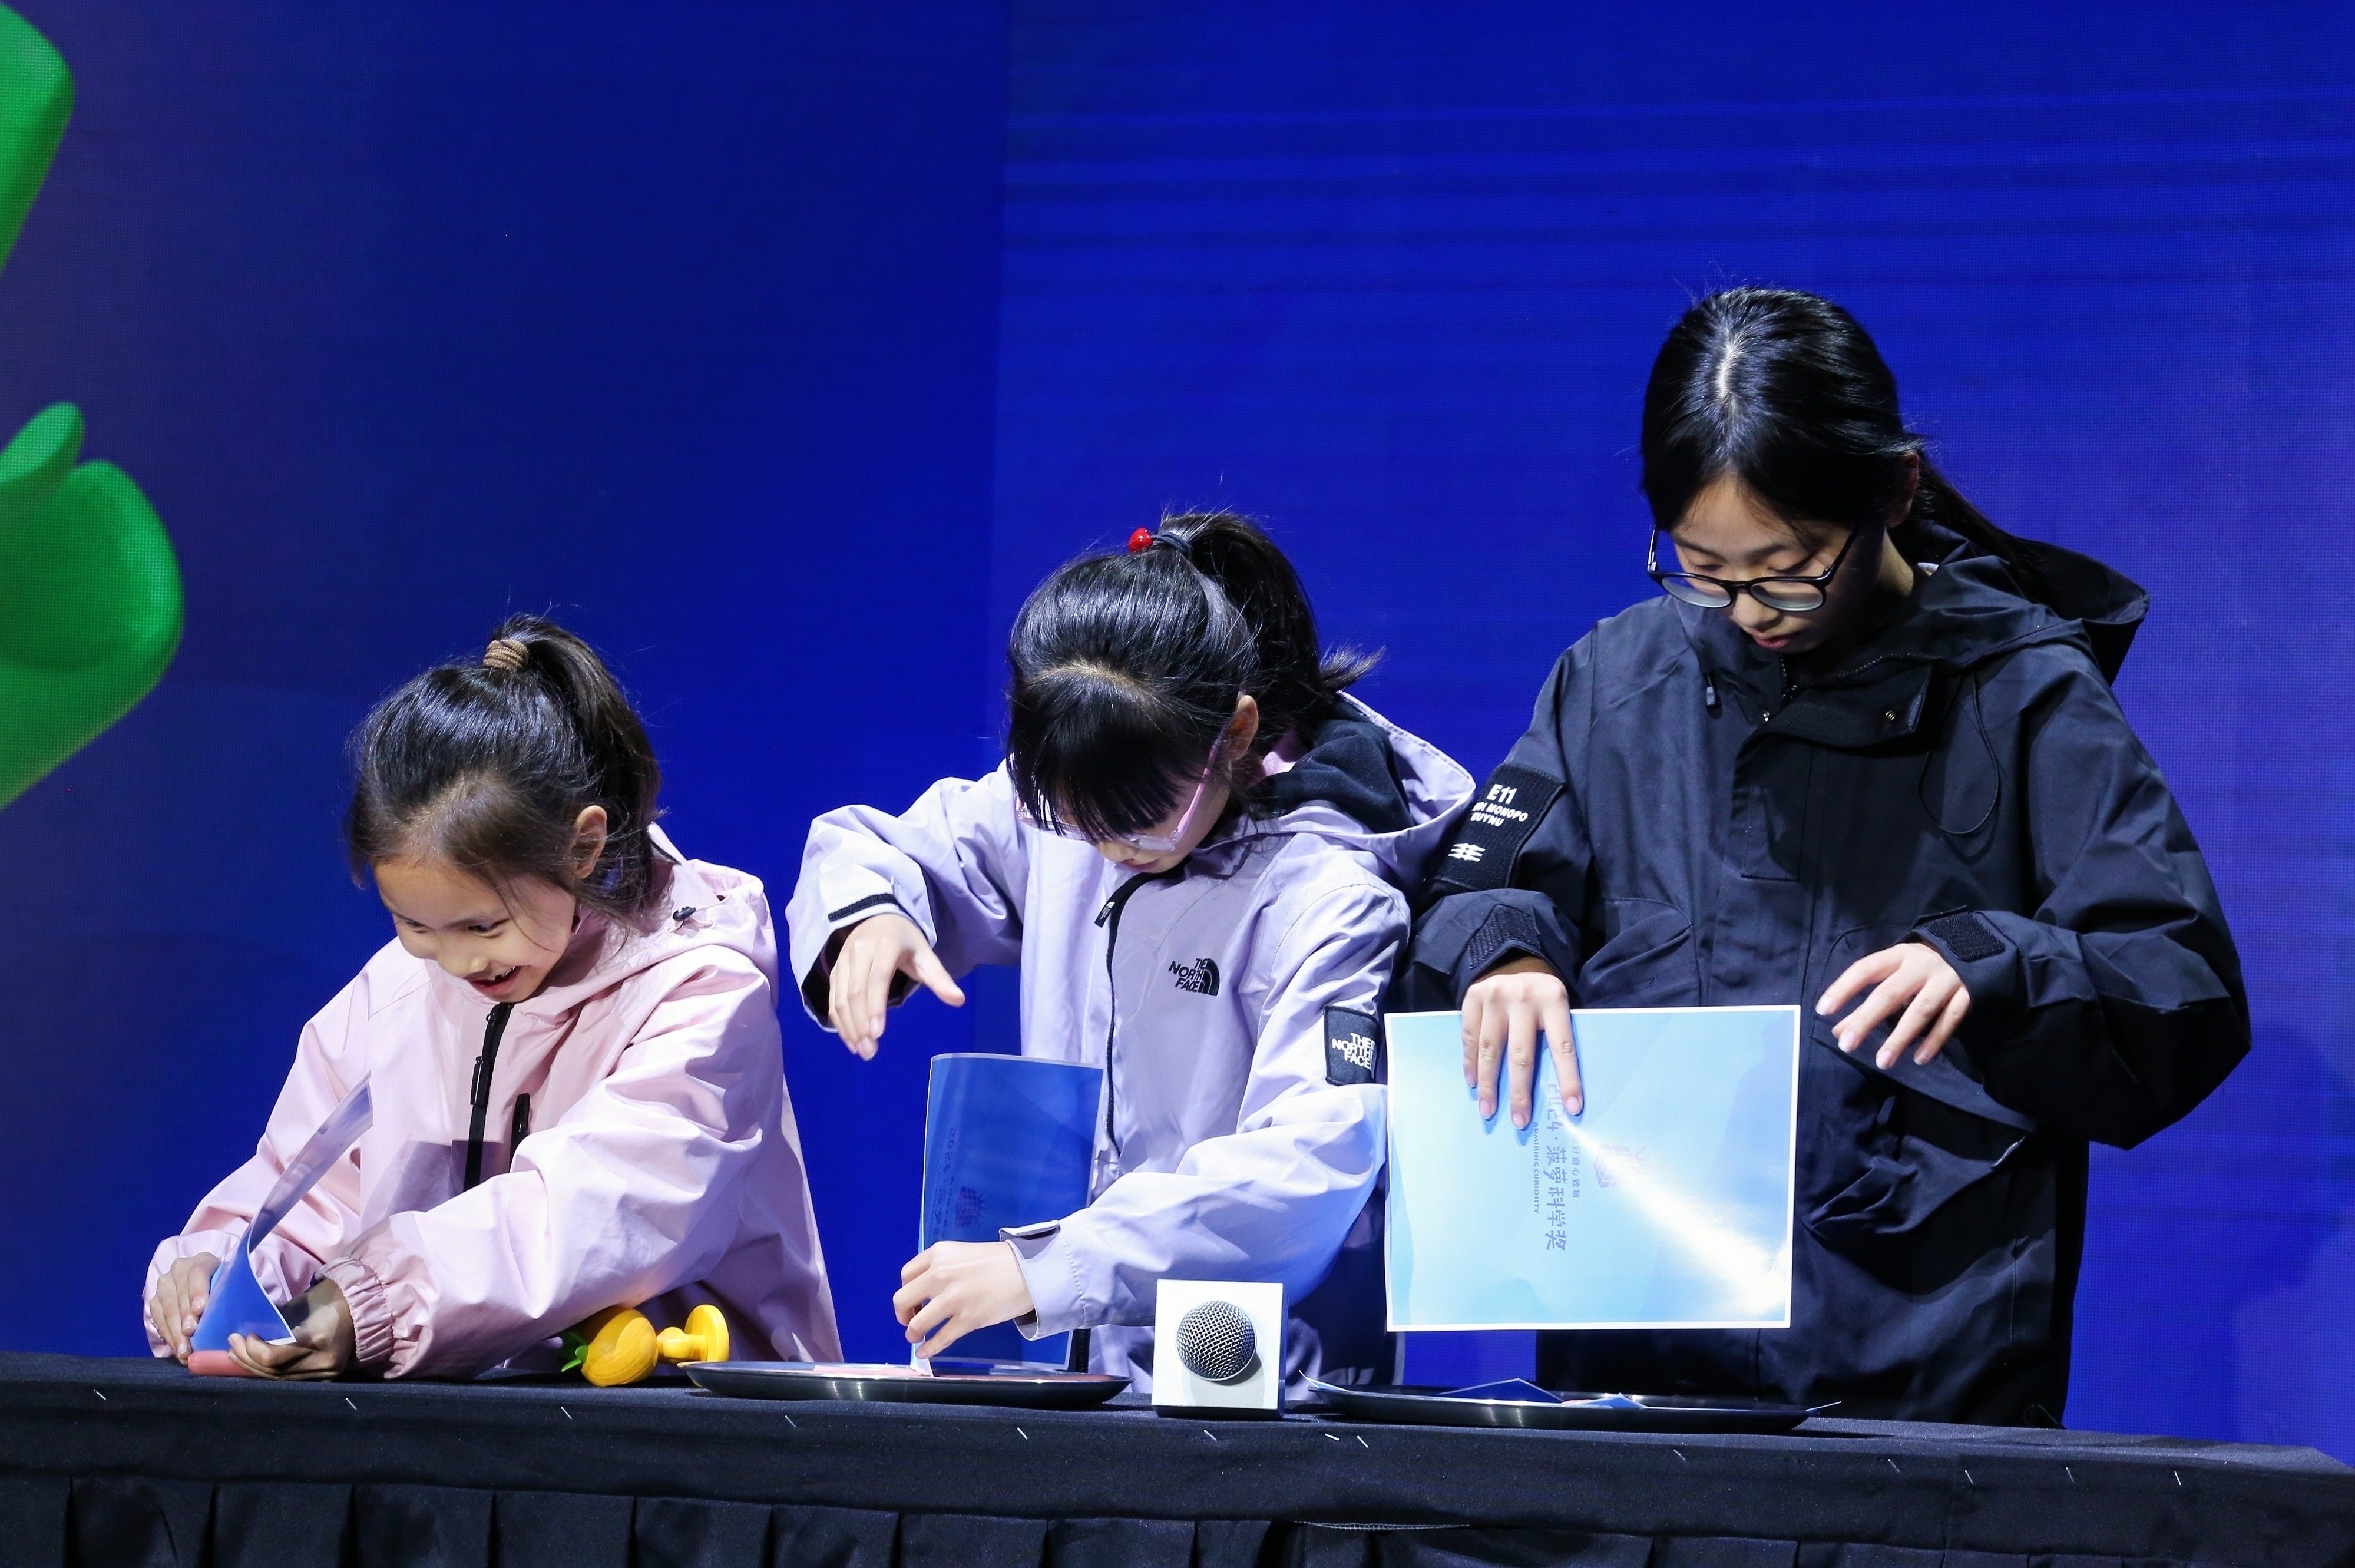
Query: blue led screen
(782,349)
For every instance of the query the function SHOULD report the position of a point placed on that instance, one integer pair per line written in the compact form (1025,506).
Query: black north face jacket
(1686,823)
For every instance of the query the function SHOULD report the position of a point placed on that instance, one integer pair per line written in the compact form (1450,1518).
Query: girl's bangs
(1096,766)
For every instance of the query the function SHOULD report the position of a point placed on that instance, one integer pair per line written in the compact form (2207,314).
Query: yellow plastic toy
(704,1338)
(619,1346)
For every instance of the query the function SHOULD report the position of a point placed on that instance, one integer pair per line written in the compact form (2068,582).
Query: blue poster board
(1008,1140)
(1665,1204)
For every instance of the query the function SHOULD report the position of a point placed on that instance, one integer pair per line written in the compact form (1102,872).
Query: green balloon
(90,593)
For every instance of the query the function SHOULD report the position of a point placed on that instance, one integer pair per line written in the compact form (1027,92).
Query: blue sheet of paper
(236,1303)
(1008,1141)
(1665,1204)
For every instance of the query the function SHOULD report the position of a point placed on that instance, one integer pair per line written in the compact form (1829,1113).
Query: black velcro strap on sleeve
(1488,838)
(1509,929)
(1353,1046)
(871,902)
(1966,936)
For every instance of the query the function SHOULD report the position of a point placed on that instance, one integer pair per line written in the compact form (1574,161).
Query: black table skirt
(107,1462)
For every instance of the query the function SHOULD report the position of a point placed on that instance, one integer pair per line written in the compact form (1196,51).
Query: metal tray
(1428,1405)
(1024,1387)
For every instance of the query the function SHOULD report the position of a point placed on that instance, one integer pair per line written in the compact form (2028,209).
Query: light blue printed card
(1665,1204)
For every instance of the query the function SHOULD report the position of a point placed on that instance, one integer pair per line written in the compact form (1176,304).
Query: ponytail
(1936,500)
(488,765)
(1293,678)
(1126,669)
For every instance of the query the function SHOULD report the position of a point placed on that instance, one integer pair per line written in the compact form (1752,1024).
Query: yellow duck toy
(619,1346)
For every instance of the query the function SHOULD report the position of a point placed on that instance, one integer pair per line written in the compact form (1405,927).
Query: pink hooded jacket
(661,1167)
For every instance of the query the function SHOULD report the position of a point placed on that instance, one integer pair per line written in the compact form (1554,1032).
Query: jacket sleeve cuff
(371,1315)
(1988,964)
(817,987)
(1509,931)
(172,1249)
(1051,1270)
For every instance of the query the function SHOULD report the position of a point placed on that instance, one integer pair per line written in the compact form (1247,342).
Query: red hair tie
(1139,541)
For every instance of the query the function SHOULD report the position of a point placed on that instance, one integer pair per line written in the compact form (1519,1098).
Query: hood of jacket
(704,906)
(1363,783)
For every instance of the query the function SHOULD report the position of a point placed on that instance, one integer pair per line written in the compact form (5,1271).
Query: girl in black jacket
(1863,754)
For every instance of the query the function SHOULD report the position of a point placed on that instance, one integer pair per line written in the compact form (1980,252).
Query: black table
(106,1462)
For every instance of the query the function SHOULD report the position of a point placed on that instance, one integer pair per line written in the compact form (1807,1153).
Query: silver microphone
(1217,1343)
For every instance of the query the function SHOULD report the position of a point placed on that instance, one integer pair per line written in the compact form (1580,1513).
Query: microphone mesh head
(1215,1340)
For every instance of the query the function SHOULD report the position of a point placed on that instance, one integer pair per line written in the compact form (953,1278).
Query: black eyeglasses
(1786,594)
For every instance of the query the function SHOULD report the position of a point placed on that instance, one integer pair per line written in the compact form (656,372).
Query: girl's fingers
(172,1314)
(1958,1006)
(1521,1057)
(1492,1058)
(1475,1001)
(1865,970)
(1565,1055)
(1927,1003)
(875,996)
(928,1317)
(1887,998)
(849,968)
(949,1333)
(927,967)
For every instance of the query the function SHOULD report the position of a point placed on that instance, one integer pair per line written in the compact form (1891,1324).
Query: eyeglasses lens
(1791,596)
(1692,591)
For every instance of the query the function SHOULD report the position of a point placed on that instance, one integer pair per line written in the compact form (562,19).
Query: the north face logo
(1353,1052)
(1200,976)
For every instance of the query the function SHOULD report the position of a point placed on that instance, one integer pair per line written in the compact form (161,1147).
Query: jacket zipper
(480,1100)
(1108,918)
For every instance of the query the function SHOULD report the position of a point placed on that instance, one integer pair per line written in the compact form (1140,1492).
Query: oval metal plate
(1430,1406)
(895,1385)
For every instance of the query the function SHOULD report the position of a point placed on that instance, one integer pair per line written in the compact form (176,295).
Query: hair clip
(1140,541)
(507,653)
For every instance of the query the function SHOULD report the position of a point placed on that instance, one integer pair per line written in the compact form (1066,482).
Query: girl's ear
(588,840)
(1244,727)
(1913,487)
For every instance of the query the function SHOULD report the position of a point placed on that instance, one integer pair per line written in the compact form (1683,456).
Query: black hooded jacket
(1685,824)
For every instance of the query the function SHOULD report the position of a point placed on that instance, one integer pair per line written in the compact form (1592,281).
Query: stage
(118,1461)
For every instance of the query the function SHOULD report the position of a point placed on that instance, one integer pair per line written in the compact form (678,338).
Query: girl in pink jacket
(573,1049)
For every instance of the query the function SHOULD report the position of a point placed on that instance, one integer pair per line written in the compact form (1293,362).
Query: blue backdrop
(782,352)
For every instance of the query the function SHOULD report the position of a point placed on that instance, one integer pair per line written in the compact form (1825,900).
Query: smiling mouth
(492,982)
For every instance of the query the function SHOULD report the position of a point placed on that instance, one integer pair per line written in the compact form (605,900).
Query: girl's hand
(322,1347)
(1503,1012)
(1913,975)
(859,987)
(181,1291)
(952,1288)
